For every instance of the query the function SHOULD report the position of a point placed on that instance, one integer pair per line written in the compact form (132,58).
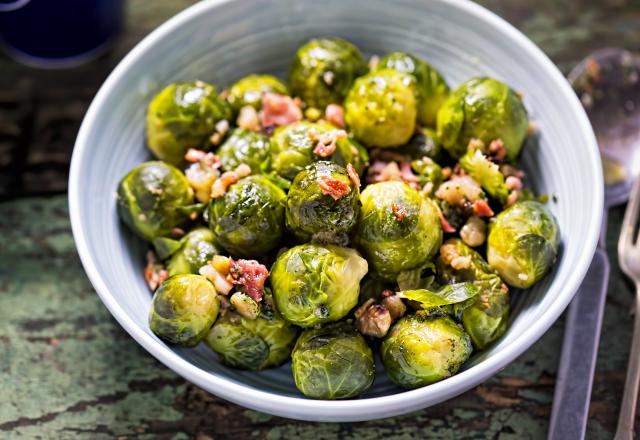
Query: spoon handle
(626,419)
(579,350)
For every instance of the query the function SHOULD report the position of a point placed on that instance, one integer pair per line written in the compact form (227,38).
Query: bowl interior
(219,42)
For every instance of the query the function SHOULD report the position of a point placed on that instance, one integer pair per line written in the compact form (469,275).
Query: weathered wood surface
(67,370)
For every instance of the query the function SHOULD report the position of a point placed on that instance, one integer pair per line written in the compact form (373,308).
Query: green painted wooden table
(67,369)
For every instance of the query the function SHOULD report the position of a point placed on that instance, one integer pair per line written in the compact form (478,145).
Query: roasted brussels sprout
(248,220)
(485,109)
(293,145)
(323,70)
(188,254)
(245,147)
(523,243)
(332,362)
(183,309)
(153,199)
(183,116)
(249,91)
(431,88)
(485,320)
(424,348)
(398,228)
(322,204)
(314,284)
(253,344)
(380,108)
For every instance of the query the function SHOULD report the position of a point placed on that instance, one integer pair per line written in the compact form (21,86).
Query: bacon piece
(334,113)
(205,158)
(279,110)
(407,174)
(513,182)
(220,185)
(251,275)
(353,175)
(326,145)
(482,209)
(333,187)
(399,211)
(248,118)
(154,271)
(496,148)
(446,226)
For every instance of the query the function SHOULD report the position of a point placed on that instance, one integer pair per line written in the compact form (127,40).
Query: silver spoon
(608,84)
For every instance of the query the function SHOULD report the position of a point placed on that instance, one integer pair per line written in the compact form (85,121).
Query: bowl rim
(342,410)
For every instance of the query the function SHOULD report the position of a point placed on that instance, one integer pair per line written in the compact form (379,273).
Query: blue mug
(59,33)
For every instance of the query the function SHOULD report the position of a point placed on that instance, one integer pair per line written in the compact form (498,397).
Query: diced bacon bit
(475,144)
(221,129)
(446,226)
(387,292)
(353,175)
(482,209)
(177,232)
(334,113)
(333,187)
(154,272)
(407,174)
(513,182)
(446,172)
(399,211)
(205,158)
(496,148)
(248,119)
(220,186)
(251,275)
(512,197)
(326,145)
(279,110)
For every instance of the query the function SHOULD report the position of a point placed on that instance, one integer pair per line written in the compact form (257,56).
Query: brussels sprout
(314,284)
(485,320)
(190,253)
(292,148)
(486,173)
(486,109)
(380,108)
(183,309)
(424,348)
(332,362)
(324,69)
(252,344)
(245,147)
(398,228)
(523,243)
(313,213)
(183,116)
(423,144)
(153,199)
(431,88)
(247,221)
(249,91)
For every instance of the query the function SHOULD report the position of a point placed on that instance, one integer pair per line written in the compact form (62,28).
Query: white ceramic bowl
(220,41)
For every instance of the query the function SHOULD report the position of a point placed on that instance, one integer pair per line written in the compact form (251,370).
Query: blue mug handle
(12,6)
